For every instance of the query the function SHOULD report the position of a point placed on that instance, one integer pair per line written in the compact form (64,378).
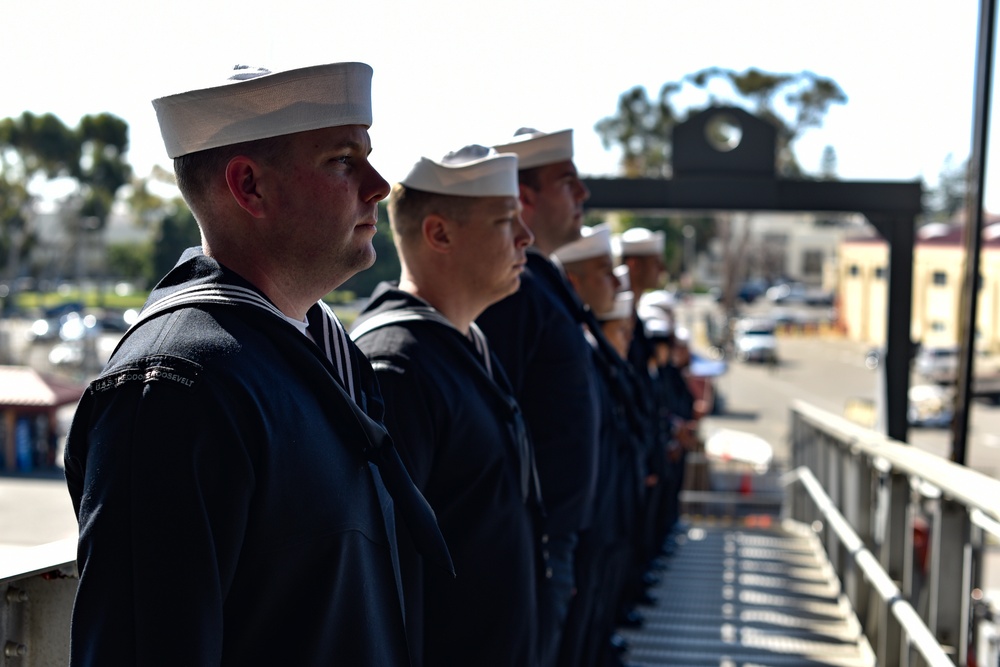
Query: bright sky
(450,73)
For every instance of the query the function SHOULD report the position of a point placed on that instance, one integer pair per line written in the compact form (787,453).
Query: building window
(853,271)
(812,262)
(879,272)
(937,325)
(940,278)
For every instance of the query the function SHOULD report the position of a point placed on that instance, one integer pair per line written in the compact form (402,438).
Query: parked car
(938,364)
(929,406)
(798,293)
(754,340)
(787,293)
(47,327)
(116,320)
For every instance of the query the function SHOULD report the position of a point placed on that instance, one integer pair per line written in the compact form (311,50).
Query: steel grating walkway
(748,594)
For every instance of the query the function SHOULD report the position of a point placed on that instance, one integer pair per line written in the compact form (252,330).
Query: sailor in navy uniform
(538,336)
(235,488)
(606,558)
(640,252)
(450,408)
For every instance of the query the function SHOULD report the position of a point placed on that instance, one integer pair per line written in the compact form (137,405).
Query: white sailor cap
(656,328)
(639,241)
(623,309)
(621,272)
(536,149)
(472,171)
(255,103)
(660,299)
(594,242)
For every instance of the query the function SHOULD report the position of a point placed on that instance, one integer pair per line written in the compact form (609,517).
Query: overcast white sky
(449,73)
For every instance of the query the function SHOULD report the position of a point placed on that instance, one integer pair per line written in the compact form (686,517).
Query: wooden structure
(29,401)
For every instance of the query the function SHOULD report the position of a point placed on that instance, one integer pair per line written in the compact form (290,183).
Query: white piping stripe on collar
(341,356)
(209,293)
(234,295)
(426,314)
(482,345)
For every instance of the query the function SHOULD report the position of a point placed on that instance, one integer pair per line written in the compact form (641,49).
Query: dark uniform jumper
(457,431)
(227,506)
(549,363)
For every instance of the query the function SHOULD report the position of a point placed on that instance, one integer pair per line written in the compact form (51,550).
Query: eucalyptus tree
(38,148)
(641,126)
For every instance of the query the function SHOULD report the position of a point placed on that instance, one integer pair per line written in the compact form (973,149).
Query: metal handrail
(919,634)
(59,555)
(968,487)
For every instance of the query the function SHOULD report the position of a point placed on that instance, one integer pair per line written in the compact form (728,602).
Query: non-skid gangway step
(748,596)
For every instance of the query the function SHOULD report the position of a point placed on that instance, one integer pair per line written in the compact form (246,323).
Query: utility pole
(973,229)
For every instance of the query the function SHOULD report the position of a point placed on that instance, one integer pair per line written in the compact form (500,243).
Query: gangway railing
(37,587)
(905,529)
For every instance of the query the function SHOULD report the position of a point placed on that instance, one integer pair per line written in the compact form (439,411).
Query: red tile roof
(22,386)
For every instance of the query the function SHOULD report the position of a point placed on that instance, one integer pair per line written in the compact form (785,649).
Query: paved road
(33,512)
(829,372)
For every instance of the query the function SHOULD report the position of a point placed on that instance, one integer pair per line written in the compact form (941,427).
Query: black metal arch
(743,179)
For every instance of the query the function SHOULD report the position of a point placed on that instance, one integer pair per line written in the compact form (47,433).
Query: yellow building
(938,272)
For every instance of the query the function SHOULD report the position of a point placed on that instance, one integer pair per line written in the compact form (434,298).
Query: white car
(938,364)
(930,405)
(754,340)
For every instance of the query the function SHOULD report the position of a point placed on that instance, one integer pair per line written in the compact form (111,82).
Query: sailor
(618,322)
(458,231)
(229,470)
(640,252)
(537,333)
(606,558)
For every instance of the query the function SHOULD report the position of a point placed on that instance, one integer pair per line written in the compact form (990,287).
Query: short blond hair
(409,207)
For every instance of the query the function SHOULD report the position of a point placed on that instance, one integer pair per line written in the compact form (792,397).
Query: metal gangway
(866,551)
(873,554)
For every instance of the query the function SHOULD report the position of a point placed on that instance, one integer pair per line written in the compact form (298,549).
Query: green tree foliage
(30,146)
(102,167)
(39,145)
(673,230)
(641,127)
(944,201)
(34,147)
(178,231)
(131,261)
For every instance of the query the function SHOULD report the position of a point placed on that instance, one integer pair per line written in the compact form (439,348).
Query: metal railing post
(949,576)
(831,481)
(892,557)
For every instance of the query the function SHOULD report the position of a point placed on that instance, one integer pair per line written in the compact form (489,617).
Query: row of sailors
(482,476)
(534,409)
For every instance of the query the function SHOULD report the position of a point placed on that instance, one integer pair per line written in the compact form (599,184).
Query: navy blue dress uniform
(236,491)
(656,518)
(227,503)
(550,365)
(641,251)
(606,557)
(542,348)
(459,431)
